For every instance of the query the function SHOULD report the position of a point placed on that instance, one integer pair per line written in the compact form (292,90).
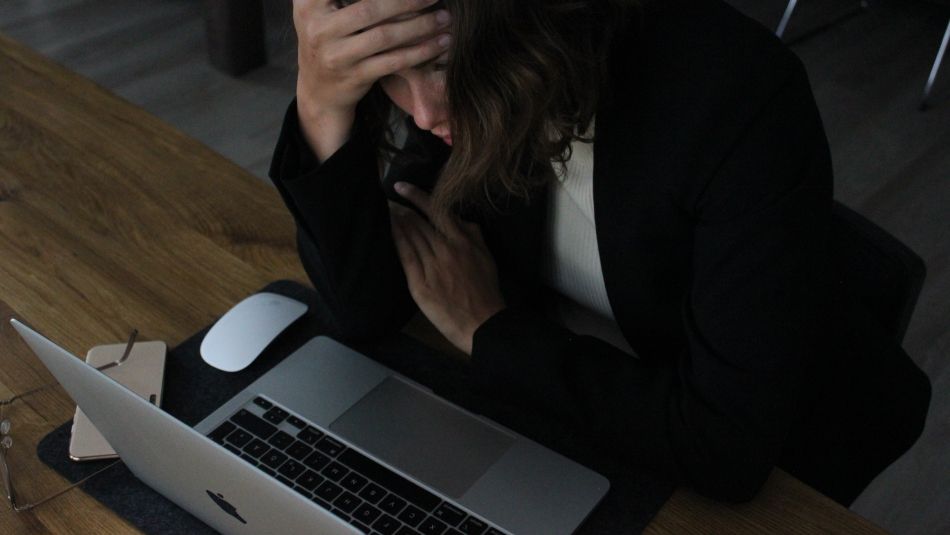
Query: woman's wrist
(467,341)
(326,130)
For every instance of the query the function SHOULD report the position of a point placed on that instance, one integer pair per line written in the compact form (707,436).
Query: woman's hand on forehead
(377,37)
(343,51)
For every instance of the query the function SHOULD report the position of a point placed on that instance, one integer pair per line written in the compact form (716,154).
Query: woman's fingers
(312,7)
(386,63)
(416,196)
(409,258)
(474,232)
(457,286)
(451,228)
(416,232)
(395,35)
(365,14)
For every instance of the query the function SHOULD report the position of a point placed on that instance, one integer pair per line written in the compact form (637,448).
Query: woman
(685,325)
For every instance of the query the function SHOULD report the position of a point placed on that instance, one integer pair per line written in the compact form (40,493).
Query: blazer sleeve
(343,232)
(714,415)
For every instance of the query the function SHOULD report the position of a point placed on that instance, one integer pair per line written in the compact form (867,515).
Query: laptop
(331,442)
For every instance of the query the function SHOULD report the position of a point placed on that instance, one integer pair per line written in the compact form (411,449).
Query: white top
(571,258)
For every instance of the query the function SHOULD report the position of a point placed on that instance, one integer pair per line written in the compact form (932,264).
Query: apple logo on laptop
(227,507)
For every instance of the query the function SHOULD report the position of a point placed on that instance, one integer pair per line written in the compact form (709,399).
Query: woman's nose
(424,115)
(426,109)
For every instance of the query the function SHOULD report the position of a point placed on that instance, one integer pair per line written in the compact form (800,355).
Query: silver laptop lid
(186,467)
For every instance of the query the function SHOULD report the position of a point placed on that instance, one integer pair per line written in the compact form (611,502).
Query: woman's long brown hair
(523,82)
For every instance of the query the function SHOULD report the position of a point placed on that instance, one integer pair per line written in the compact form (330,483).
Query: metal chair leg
(788,14)
(790,8)
(936,67)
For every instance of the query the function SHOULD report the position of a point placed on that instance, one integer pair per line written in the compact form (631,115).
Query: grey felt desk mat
(194,389)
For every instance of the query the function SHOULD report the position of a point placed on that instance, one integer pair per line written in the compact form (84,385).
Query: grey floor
(867,68)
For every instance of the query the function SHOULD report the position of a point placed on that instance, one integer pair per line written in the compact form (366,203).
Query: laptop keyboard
(354,487)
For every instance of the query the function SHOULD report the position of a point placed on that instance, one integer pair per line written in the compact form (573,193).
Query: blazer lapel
(644,242)
(515,237)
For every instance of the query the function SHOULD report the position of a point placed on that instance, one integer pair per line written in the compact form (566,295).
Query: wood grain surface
(111,220)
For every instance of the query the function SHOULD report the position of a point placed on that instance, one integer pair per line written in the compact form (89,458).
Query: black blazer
(712,198)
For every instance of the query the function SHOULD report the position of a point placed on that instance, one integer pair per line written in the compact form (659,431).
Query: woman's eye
(439,67)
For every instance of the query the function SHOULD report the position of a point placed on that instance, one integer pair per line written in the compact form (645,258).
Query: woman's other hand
(450,271)
(341,52)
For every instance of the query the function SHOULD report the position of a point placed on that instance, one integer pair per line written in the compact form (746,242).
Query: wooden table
(111,219)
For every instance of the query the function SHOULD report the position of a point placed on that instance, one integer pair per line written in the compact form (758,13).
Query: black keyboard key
(473,526)
(263,403)
(360,526)
(347,502)
(296,422)
(239,438)
(449,514)
(254,424)
(432,526)
(309,480)
(366,513)
(276,415)
(322,503)
(341,514)
(281,440)
(372,493)
(233,450)
(249,459)
(334,471)
(391,480)
(495,531)
(353,482)
(266,470)
(406,530)
(330,446)
(328,491)
(317,461)
(310,435)
(299,450)
(412,515)
(222,431)
(303,492)
(256,448)
(285,481)
(273,459)
(392,504)
(386,525)
(453,531)
(291,469)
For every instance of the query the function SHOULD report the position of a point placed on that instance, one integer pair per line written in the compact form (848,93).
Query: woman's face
(420,92)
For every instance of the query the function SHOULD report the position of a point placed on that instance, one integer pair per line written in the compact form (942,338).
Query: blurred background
(868,65)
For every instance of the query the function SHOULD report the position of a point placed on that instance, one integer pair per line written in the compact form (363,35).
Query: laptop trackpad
(423,436)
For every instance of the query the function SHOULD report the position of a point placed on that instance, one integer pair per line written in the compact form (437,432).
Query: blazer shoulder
(685,80)
(705,45)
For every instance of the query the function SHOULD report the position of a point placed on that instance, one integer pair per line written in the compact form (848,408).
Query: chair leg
(936,67)
(788,14)
(790,8)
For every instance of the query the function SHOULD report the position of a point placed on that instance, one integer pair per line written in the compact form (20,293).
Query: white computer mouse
(243,332)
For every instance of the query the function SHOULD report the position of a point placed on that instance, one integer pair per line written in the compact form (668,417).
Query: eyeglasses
(6,440)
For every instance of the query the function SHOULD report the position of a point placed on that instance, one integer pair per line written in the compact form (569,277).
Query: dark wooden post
(235,30)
